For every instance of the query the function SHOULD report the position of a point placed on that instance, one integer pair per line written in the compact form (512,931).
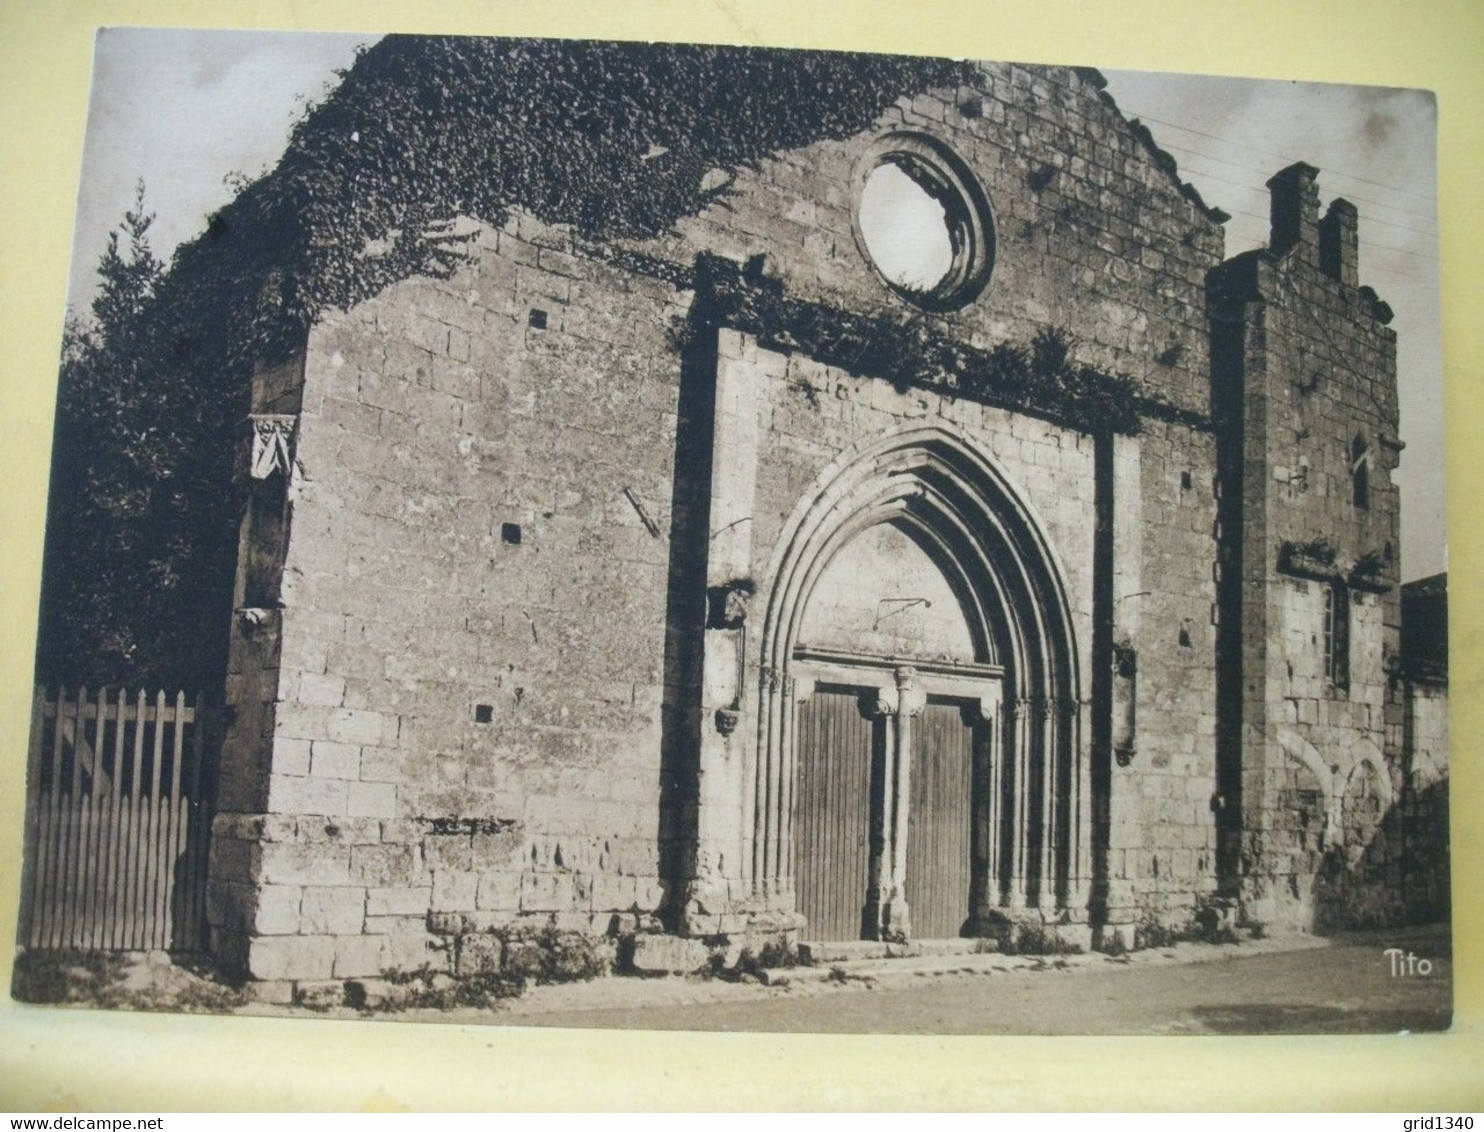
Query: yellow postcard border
(82,1060)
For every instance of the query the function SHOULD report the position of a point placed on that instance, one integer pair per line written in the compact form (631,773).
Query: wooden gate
(117,827)
(940,822)
(838,746)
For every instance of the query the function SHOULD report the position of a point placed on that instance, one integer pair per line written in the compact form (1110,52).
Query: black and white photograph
(553,532)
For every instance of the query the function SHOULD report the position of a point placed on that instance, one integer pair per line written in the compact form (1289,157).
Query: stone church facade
(637,589)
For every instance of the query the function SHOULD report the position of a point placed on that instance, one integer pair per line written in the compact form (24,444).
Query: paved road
(1347,987)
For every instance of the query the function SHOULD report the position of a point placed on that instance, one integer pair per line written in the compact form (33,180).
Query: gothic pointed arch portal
(1003,654)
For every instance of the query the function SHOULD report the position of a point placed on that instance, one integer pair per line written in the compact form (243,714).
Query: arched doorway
(919,768)
(896,703)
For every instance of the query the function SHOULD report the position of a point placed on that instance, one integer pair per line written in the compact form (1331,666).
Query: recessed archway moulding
(937,483)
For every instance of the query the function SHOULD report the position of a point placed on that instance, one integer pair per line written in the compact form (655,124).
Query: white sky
(905,229)
(186,109)
(183,110)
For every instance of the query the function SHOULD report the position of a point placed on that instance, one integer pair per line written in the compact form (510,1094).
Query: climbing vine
(1040,377)
(610,139)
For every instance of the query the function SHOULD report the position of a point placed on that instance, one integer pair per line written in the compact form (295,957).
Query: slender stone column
(756,822)
(882,873)
(987,814)
(1053,723)
(1079,884)
(769,782)
(793,693)
(910,702)
(1025,724)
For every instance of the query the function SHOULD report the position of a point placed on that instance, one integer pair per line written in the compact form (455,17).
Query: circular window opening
(923,222)
(907,231)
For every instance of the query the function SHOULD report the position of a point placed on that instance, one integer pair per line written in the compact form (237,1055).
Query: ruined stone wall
(1163,845)
(1092,235)
(464,711)
(1425,740)
(473,629)
(1422,811)
(1321,609)
(1388,862)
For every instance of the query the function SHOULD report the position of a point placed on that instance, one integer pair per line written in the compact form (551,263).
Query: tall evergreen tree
(102,463)
(126,284)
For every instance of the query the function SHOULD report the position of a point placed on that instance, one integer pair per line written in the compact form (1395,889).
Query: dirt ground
(1301,984)
(1339,986)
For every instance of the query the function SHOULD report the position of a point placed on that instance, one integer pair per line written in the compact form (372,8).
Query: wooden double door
(847,818)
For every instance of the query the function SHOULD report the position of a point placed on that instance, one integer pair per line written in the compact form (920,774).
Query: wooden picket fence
(117,822)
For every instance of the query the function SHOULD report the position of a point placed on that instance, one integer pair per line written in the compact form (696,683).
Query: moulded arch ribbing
(943,449)
(934,479)
(896,504)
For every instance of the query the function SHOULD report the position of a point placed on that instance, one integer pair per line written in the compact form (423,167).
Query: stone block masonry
(436,664)
(1311,412)
(562,553)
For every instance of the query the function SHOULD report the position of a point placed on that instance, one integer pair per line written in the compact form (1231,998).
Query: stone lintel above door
(979,684)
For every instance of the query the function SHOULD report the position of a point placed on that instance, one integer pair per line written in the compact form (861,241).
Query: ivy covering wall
(611,139)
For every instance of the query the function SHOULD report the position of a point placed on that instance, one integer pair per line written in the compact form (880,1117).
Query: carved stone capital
(1024,707)
(727,604)
(987,708)
(771,679)
(727,720)
(272,437)
(911,701)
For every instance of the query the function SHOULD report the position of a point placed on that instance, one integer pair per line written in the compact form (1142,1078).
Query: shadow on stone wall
(685,622)
(1389,871)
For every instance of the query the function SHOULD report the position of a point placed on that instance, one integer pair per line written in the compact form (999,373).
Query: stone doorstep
(877,971)
(270,992)
(875,963)
(863,973)
(853,950)
(905,968)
